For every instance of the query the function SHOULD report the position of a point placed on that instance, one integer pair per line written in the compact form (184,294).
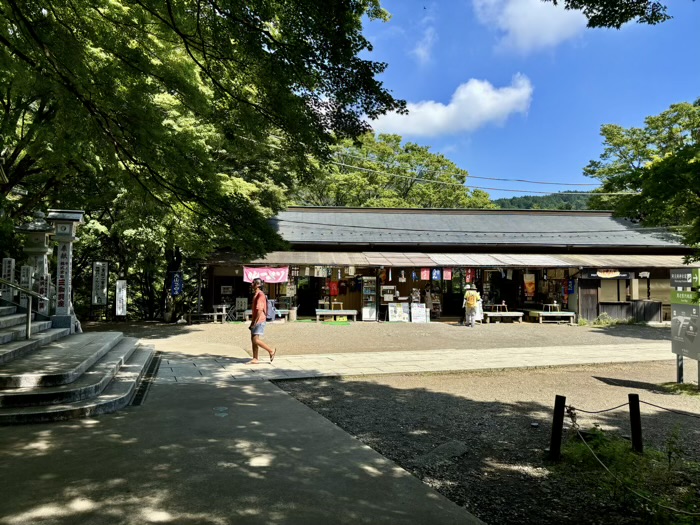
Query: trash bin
(292,314)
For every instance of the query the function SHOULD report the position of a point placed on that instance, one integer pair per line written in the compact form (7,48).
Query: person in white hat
(471,301)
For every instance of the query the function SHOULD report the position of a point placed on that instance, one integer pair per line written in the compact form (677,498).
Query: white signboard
(121,298)
(25,281)
(100,280)
(8,273)
(399,312)
(419,313)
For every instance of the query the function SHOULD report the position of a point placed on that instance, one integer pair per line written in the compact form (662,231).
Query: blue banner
(177,285)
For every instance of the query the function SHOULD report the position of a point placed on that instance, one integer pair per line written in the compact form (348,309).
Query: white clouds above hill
(474,104)
(526,26)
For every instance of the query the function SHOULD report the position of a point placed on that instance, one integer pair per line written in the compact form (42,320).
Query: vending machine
(369,298)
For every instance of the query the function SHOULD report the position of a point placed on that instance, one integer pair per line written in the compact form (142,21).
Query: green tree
(659,165)
(616,13)
(383,172)
(555,201)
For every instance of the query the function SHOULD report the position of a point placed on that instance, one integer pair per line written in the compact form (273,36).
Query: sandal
(273,354)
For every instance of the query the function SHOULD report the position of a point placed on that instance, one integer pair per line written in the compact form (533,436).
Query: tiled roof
(423,228)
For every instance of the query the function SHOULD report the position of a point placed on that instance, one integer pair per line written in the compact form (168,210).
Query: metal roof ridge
(446,211)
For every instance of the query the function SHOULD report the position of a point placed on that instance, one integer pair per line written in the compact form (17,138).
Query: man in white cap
(471,301)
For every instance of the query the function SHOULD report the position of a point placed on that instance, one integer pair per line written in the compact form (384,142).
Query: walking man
(257,323)
(471,302)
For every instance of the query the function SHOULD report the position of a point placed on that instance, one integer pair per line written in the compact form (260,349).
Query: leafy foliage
(659,165)
(555,201)
(615,13)
(176,125)
(383,172)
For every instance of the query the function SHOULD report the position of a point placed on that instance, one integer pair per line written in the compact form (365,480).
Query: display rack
(369,298)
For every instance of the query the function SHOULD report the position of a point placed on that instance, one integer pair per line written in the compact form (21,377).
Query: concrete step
(58,363)
(13,320)
(15,333)
(117,395)
(8,310)
(16,349)
(90,384)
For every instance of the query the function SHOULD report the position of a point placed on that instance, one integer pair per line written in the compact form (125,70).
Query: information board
(399,312)
(684,324)
(120,296)
(419,313)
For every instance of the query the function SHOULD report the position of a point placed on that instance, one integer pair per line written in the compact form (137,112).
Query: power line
(470,176)
(507,190)
(490,232)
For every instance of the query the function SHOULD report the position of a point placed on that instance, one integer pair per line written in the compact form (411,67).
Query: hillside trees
(660,165)
(383,172)
(176,123)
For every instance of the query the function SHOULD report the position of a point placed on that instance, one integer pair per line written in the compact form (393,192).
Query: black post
(679,368)
(557,428)
(636,423)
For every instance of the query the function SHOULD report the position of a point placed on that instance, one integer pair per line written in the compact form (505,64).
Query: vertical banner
(63,279)
(120,296)
(469,275)
(425,274)
(177,285)
(44,289)
(100,280)
(437,274)
(8,273)
(25,281)
(529,282)
(447,274)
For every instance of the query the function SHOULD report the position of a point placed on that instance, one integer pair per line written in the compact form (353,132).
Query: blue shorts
(258,329)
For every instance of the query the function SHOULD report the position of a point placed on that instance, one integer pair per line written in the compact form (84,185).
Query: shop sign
(268,275)
(447,274)
(606,274)
(529,283)
(437,274)
(685,278)
(572,286)
(425,274)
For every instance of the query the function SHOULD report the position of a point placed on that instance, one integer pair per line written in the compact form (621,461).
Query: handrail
(29,294)
(23,290)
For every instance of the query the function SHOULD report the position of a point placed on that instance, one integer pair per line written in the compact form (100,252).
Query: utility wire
(343,154)
(343,164)
(491,232)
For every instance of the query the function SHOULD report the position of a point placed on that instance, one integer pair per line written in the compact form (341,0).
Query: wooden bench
(516,316)
(552,317)
(326,311)
(281,312)
(206,316)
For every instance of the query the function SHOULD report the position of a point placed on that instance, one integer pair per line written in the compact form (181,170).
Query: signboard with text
(120,301)
(684,324)
(100,280)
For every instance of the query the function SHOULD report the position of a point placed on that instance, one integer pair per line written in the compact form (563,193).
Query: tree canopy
(659,165)
(554,201)
(382,172)
(616,13)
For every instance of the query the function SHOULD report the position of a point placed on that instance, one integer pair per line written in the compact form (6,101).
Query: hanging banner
(447,274)
(529,282)
(425,274)
(100,272)
(437,274)
(268,275)
(469,275)
(177,285)
(120,295)
(333,288)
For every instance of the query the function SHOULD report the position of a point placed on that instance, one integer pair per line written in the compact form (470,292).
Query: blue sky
(520,88)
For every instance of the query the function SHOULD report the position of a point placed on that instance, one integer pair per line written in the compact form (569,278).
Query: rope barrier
(672,509)
(596,411)
(670,410)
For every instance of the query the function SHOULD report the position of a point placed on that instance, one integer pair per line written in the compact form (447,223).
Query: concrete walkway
(178,368)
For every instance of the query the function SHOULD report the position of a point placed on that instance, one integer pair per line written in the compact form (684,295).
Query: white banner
(121,298)
(100,280)
(25,281)
(8,273)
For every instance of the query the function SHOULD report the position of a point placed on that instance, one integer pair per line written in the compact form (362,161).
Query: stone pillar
(37,246)
(66,225)
(25,281)
(8,273)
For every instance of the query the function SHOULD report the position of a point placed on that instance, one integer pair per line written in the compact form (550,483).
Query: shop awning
(626,261)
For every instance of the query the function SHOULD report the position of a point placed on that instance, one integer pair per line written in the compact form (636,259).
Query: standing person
(471,302)
(257,323)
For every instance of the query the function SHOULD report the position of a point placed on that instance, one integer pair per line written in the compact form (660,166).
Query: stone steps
(58,363)
(17,332)
(6,321)
(118,394)
(89,384)
(15,349)
(8,310)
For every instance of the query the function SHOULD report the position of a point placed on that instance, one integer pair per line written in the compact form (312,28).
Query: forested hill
(555,201)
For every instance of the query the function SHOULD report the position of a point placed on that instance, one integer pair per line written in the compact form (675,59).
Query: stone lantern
(66,225)
(37,247)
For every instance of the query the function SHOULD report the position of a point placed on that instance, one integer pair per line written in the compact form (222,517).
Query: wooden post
(557,428)
(636,423)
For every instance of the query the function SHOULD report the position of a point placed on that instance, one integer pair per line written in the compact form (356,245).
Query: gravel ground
(322,338)
(469,435)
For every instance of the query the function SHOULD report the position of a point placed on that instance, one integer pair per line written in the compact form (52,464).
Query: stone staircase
(55,376)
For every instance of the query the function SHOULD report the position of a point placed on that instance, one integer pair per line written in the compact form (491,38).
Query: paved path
(178,368)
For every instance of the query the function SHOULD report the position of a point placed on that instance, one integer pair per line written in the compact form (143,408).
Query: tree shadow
(635,331)
(638,385)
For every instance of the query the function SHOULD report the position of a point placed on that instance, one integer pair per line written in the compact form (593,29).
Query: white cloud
(424,47)
(473,105)
(529,25)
